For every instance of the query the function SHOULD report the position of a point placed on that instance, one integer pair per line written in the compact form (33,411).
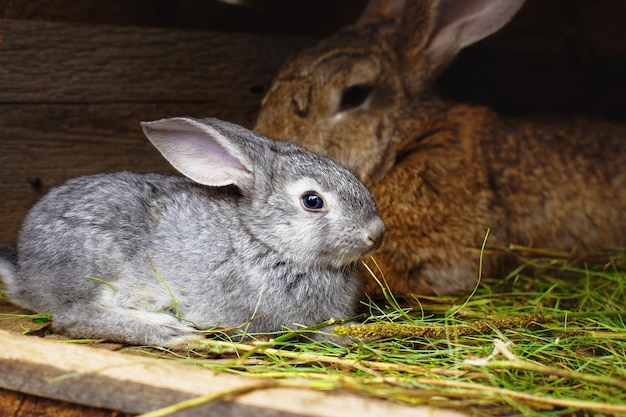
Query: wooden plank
(56,62)
(318,17)
(14,404)
(131,384)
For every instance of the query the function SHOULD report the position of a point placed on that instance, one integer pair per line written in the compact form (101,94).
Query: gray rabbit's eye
(354,96)
(312,201)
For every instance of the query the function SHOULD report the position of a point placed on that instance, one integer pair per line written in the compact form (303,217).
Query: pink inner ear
(200,152)
(210,151)
(461,23)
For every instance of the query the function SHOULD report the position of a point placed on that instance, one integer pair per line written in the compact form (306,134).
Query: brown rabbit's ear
(461,23)
(381,9)
(430,33)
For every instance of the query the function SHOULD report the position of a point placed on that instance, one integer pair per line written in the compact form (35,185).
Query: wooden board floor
(14,404)
(133,384)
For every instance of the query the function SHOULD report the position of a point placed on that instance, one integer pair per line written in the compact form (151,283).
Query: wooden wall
(77,77)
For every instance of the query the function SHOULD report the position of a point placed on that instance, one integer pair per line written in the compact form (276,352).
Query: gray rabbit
(260,231)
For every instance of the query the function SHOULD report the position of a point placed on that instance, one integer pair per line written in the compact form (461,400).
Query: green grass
(548,340)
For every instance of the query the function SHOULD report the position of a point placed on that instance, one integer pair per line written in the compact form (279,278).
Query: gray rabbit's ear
(200,151)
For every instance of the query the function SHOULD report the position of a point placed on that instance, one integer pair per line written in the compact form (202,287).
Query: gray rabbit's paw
(162,329)
(125,325)
(195,342)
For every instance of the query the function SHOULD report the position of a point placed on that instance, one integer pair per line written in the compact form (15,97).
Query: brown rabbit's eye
(354,96)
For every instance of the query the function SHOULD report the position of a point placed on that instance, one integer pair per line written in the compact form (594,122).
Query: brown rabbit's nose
(375,232)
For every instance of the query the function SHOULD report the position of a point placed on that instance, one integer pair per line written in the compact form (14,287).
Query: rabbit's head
(364,94)
(290,200)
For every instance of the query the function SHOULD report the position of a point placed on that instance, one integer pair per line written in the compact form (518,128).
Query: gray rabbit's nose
(375,232)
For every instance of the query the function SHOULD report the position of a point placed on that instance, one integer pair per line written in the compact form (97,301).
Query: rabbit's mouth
(372,240)
(339,261)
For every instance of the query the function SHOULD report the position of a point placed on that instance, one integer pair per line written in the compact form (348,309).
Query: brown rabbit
(443,173)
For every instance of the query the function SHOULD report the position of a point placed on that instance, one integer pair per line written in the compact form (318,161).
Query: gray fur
(229,253)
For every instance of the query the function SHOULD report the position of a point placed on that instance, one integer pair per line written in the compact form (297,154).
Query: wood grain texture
(14,404)
(42,146)
(130,384)
(311,17)
(55,62)
(72,96)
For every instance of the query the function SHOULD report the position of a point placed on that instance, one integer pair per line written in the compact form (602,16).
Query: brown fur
(443,173)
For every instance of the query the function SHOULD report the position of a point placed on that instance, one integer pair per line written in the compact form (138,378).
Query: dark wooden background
(77,77)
